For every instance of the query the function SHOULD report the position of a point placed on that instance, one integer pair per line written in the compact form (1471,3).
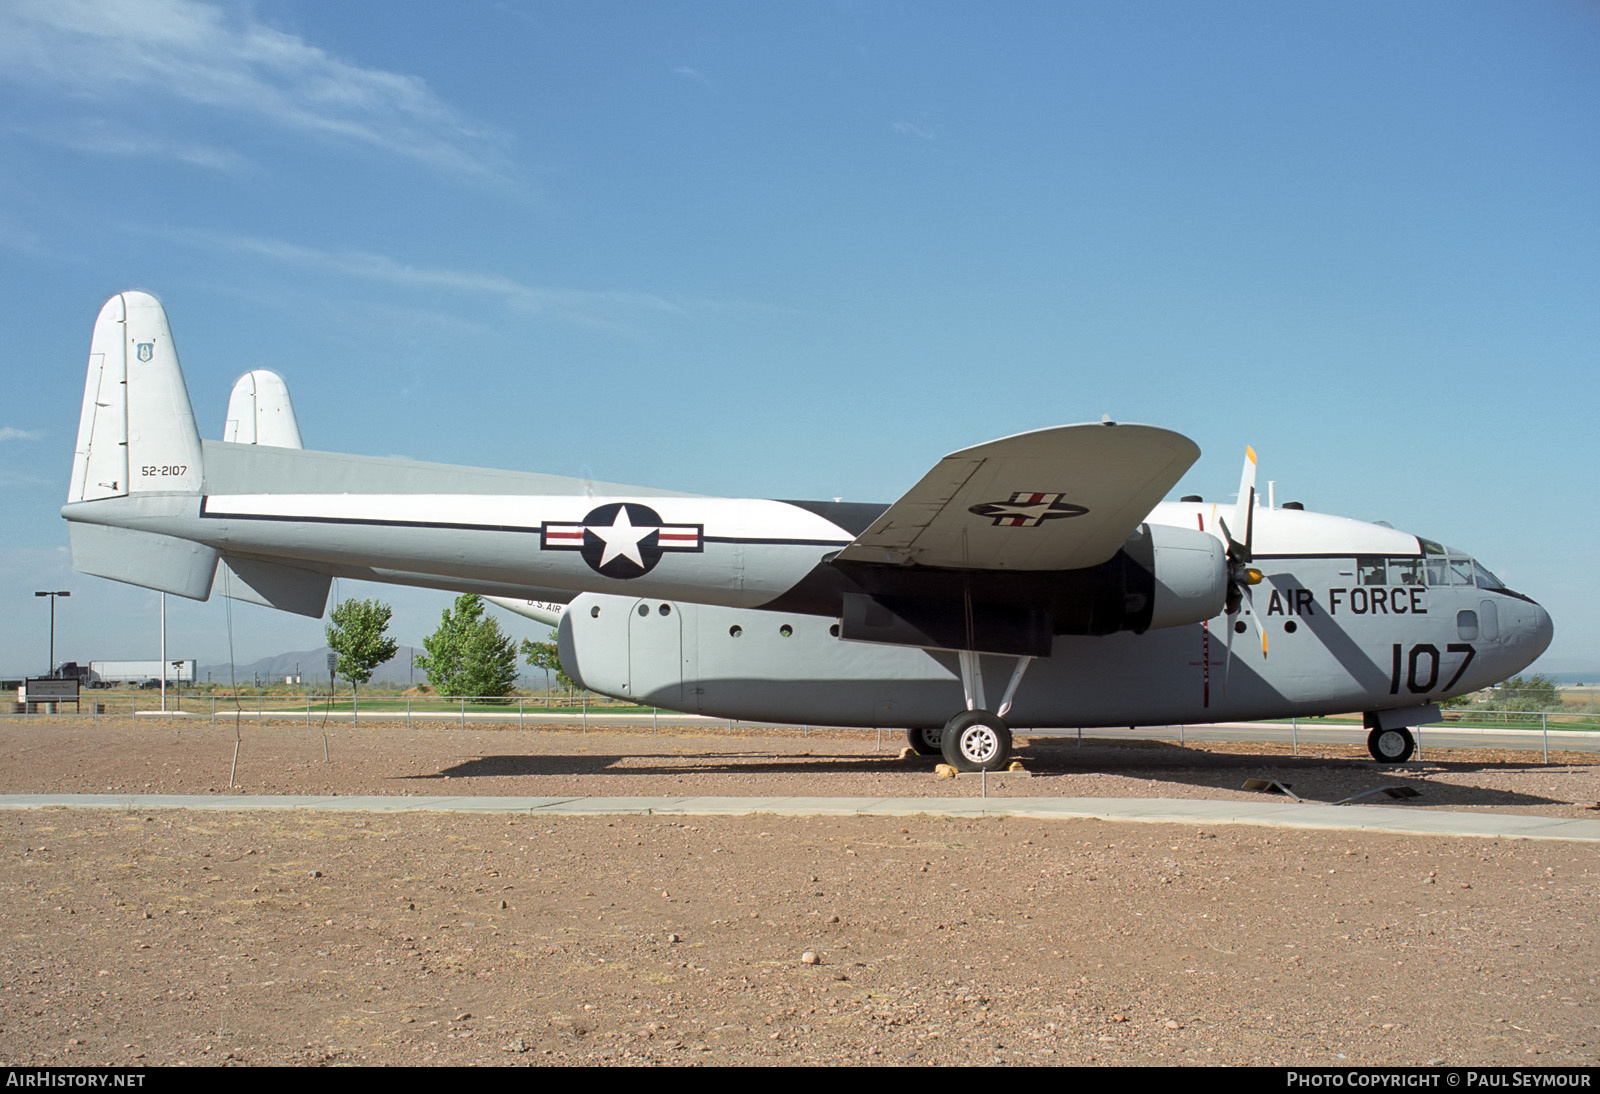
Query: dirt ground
(164,937)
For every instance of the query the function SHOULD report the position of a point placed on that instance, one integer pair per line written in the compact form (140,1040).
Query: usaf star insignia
(621,539)
(1027,509)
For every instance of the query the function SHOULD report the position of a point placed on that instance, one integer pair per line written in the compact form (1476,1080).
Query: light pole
(52,597)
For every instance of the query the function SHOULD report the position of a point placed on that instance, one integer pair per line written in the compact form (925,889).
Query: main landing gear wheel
(925,741)
(975,740)
(1391,746)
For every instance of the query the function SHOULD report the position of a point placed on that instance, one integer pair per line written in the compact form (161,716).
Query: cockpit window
(1437,565)
(1486,580)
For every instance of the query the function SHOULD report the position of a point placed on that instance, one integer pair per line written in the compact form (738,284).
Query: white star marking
(622,539)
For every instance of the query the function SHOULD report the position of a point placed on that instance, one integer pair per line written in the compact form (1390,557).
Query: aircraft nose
(1533,629)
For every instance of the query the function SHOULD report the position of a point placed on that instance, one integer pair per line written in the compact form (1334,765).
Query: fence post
(1544,731)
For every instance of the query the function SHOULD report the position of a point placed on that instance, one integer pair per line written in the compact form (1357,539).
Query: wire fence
(527,710)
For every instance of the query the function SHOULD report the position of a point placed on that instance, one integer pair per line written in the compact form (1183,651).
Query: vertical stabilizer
(259,412)
(163,442)
(136,432)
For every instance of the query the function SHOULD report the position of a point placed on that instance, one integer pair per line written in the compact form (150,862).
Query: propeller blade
(1256,619)
(1244,515)
(1227,653)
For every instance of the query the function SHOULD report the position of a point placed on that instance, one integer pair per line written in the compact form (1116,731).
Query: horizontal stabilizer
(274,585)
(164,563)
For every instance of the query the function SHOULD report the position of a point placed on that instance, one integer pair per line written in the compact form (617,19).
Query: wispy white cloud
(589,306)
(912,129)
(618,310)
(111,52)
(695,75)
(97,136)
(11,433)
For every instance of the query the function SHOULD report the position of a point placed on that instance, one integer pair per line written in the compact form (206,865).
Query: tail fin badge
(1027,509)
(146,350)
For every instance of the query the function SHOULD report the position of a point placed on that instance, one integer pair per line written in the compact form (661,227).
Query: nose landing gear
(1391,746)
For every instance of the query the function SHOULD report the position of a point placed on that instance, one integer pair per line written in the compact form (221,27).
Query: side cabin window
(1406,571)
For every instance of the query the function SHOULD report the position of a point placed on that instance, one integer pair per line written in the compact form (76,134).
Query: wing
(1055,499)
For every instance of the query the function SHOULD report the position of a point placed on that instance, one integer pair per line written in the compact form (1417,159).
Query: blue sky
(806,249)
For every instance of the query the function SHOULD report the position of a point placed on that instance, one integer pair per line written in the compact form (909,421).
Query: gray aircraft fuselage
(1357,631)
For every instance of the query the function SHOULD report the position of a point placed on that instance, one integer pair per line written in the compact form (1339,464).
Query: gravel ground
(167,937)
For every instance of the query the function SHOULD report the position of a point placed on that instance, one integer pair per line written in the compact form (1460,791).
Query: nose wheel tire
(1391,746)
(975,740)
(925,740)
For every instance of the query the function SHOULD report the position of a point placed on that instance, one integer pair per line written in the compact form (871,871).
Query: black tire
(1391,746)
(976,740)
(925,741)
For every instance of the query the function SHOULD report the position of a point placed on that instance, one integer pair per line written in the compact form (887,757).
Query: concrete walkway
(1198,812)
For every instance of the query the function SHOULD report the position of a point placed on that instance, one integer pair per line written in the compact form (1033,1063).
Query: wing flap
(1063,498)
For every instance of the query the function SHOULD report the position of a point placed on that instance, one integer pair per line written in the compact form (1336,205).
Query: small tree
(547,656)
(356,636)
(1528,693)
(468,655)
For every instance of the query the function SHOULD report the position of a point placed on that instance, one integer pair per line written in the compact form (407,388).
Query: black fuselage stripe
(780,542)
(457,526)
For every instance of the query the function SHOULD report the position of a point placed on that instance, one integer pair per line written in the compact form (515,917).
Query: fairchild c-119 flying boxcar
(1035,581)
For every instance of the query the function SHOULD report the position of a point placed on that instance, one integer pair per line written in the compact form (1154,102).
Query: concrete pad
(1197,812)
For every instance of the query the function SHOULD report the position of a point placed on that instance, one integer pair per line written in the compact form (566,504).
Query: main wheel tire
(1391,746)
(975,740)
(925,741)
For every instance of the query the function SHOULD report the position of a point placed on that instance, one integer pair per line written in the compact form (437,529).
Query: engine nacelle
(1190,568)
(1164,576)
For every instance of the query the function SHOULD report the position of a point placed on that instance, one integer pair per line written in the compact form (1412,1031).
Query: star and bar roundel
(621,539)
(1027,509)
